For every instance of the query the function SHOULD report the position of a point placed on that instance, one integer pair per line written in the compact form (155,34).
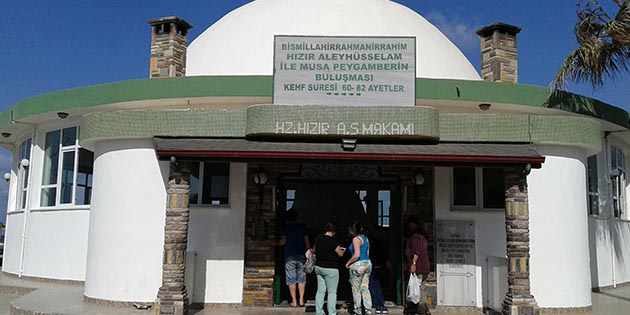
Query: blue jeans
(294,269)
(376,290)
(327,281)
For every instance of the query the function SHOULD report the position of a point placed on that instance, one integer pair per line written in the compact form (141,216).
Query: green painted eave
(262,86)
(519,94)
(139,90)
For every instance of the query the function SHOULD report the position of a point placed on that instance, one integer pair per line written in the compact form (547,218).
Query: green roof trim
(262,86)
(174,123)
(520,94)
(138,90)
(567,130)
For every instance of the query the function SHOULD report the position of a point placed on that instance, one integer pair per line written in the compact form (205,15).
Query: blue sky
(52,45)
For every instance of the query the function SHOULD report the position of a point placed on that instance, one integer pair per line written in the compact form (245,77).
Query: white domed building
(170,189)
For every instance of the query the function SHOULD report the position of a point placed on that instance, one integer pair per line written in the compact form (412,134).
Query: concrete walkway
(26,297)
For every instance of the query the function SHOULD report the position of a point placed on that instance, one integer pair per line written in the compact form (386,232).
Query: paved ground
(5,299)
(67,299)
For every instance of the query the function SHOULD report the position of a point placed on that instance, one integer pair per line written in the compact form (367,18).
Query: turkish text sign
(344,70)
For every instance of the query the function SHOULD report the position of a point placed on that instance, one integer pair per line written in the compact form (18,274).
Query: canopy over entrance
(442,153)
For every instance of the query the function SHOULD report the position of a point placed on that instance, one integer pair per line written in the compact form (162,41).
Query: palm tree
(604,49)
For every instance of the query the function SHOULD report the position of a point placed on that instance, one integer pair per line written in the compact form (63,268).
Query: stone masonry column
(172,295)
(519,300)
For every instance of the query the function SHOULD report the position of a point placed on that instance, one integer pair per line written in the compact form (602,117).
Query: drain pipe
(27,211)
(611,216)
(27,206)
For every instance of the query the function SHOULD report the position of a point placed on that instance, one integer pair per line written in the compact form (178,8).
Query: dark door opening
(375,204)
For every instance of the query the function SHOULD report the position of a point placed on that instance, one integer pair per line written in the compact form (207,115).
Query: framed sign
(310,70)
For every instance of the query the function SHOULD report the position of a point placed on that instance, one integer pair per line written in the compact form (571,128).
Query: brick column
(519,300)
(172,295)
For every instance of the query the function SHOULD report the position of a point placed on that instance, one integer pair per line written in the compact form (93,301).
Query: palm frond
(604,45)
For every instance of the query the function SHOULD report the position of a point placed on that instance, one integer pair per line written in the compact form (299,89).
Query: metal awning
(442,153)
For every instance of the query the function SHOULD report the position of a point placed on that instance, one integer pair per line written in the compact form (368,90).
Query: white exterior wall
(56,244)
(559,263)
(127,223)
(12,243)
(216,235)
(609,240)
(489,230)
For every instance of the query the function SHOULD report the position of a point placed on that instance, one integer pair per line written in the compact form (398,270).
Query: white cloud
(460,32)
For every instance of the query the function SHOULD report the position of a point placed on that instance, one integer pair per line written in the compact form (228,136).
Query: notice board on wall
(456,264)
(343,70)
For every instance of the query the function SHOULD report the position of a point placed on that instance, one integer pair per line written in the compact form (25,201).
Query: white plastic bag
(414,289)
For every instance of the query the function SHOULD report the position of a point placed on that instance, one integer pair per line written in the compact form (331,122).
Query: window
(67,170)
(23,172)
(478,188)
(593,191)
(210,184)
(384,205)
(618,179)
(290,198)
(362,194)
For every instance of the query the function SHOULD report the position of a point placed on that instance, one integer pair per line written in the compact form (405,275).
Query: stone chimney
(499,53)
(169,41)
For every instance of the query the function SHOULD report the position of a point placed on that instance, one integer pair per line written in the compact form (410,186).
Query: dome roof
(241,43)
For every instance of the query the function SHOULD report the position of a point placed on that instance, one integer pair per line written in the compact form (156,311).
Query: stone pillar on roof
(499,57)
(169,42)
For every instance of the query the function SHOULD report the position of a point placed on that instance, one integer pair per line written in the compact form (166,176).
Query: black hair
(419,227)
(356,228)
(330,227)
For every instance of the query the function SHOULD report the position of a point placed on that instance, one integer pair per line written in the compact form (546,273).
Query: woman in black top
(328,252)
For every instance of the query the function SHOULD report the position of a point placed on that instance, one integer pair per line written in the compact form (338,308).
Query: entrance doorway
(374,203)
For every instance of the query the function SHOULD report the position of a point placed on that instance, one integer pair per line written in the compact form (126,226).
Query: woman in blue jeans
(328,253)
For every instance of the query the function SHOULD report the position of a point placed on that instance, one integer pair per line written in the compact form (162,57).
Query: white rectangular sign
(456,264)
(344,70)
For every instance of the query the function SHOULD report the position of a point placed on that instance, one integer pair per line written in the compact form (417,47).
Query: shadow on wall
(621,237)
(602,235)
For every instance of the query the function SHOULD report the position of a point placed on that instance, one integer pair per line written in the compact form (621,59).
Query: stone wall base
(111,303)
(171,307)
(44,280)
(520,305)
(217,306)
(566,310)
(7,289)
(258,286)
(458,309)
(610,287)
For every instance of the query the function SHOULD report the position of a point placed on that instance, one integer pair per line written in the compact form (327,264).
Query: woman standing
(417,262)
(360,269)
(328,252)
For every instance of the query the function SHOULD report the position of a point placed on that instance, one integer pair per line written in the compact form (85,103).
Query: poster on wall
(320,70)
(456,265)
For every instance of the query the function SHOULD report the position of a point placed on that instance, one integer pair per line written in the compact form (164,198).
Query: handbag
(309,266)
